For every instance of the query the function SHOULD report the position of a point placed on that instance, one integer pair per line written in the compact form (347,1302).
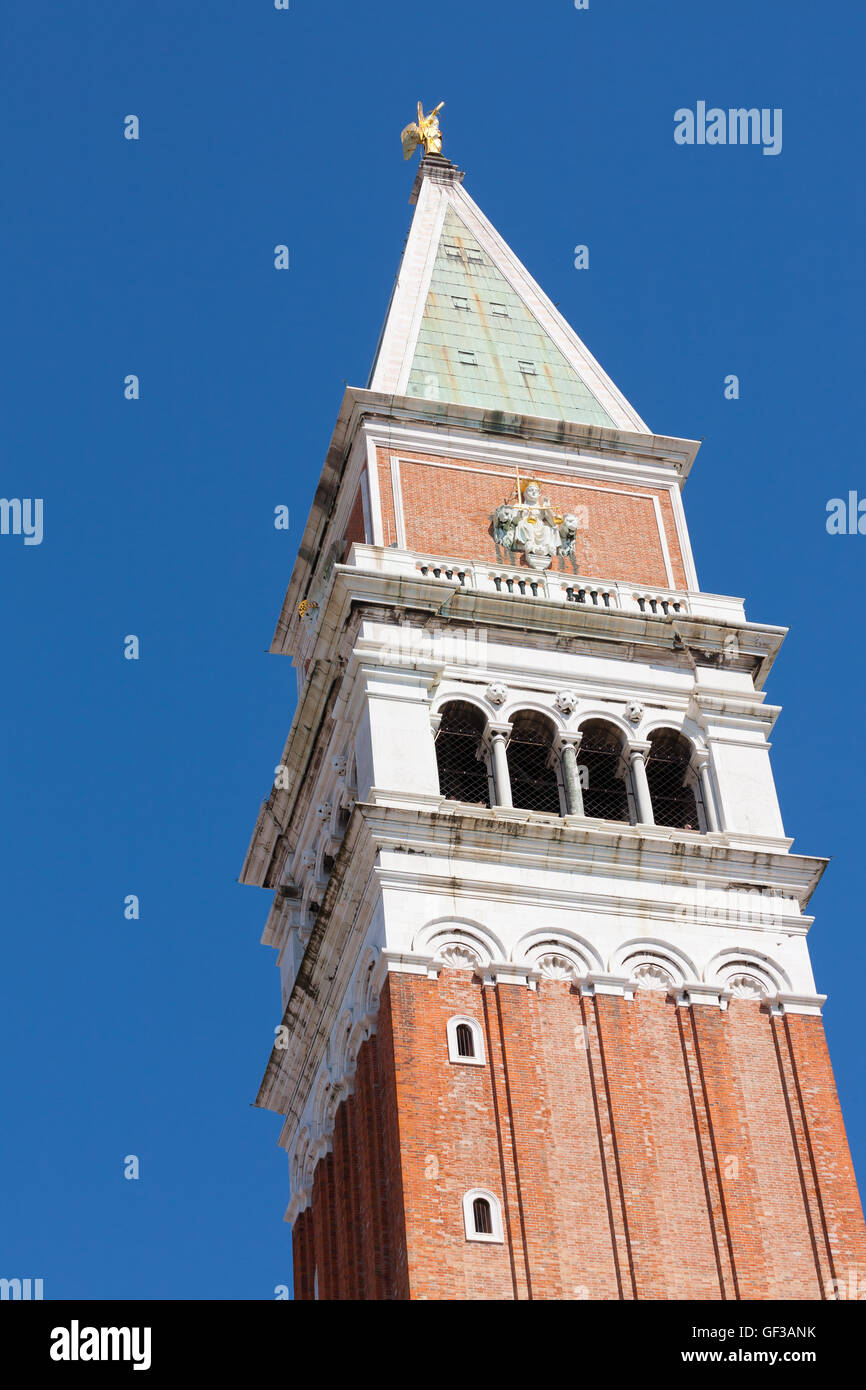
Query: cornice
(636,465)
(531,840)
(664,911)
(394,588)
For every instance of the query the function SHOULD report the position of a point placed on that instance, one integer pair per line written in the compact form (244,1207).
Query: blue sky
(155,257)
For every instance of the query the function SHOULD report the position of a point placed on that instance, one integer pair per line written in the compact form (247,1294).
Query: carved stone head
(566,701)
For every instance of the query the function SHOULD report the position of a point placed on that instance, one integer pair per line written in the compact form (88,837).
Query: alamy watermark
(408,645)
(846,517)
(736,905)
(736,126)
(21,1289)
(22,516)
(77,1343)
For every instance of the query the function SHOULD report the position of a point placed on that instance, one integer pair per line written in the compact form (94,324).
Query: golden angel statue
(424,132)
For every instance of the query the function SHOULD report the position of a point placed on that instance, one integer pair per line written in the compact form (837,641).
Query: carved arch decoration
(367,988)
(747,974)
(459,943)
(653,964)
(557,955)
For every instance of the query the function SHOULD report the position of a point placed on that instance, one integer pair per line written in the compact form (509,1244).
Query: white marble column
(567,746)
(701,765)
(637,753)
(498,736)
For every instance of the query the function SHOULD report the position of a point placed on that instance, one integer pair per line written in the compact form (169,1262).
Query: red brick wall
(828,1172)
(353,1234)
(447,511)
(639,1150)
(355,529)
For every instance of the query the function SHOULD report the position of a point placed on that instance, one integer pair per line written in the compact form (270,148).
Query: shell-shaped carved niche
(366,990)
(557,954)
(342,1060)
(460,945)
(651,974)
(557,967)
(653,965)
(303,1162)
(458,956)
(747,974)
(323,1105)
(747,986)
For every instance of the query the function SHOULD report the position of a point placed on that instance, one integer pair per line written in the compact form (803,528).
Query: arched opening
(482,1217)
(533,778)
(465,1043)
(460,754)
(605,793)
(667,770)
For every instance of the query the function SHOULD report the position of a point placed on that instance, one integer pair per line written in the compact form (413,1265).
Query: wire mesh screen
(462,773)
(533,783)
(604,793)
(673,802)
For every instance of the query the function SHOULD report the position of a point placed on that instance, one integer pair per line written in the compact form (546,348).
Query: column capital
(638,747)
(498,726)
(567,738)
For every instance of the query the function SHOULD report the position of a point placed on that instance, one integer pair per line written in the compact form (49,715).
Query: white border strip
(397,491)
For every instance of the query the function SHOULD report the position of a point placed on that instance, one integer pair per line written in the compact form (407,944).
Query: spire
(468,324)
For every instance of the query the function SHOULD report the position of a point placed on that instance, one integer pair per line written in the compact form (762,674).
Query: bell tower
(550,1028)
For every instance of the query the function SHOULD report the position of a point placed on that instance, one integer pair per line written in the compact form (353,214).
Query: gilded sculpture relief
(529,525)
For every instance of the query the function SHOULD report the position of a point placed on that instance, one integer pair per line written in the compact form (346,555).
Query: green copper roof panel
(480,345)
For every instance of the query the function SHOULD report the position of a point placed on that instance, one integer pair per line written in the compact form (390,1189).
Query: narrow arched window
(465,1041)
(671,780)
(534,786)
(600,765)
(482,1217)
(460,754)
